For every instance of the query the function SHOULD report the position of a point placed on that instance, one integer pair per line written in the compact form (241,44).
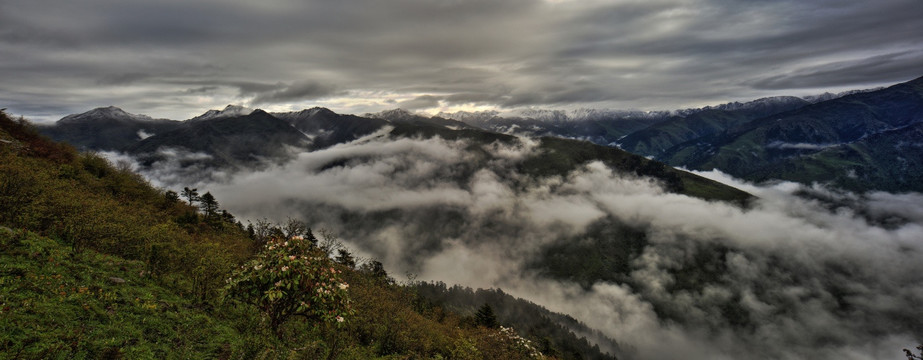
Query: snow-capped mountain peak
(228,111)
(110,112)
(394,115)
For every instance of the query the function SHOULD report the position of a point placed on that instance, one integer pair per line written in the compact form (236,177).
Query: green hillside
(97,263)
(559,156)
(865,141)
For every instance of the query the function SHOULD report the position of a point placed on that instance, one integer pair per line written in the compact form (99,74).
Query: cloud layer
(175,59)
(805,272)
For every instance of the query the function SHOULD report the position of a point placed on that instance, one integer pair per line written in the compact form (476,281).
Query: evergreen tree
(227,217)
(170,197)
(209,206)
(377,270)
(485,316)
(346,258)
(309,235)
(191,195)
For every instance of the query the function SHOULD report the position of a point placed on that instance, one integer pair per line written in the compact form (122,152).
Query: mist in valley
(801,272)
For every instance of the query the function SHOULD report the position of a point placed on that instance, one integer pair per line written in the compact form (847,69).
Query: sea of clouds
(819,273)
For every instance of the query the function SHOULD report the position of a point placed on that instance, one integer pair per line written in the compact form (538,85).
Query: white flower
(340,319)
(344,286)
(285,268)
(258,266)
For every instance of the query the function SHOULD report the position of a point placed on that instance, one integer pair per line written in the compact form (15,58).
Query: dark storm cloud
(304,90)
(361,55)
(420,102)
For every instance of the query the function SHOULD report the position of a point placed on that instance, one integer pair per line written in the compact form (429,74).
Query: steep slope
(654,140)
(108,128)
(750,150)
(401,116)
(559,156)
(599,126)
(228,111)
(891,161)
(235,141)
(326,128)
(102,265)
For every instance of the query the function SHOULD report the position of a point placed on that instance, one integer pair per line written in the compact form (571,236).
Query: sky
(178,58)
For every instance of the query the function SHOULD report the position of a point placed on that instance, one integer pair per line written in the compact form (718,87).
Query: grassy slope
(57,304)
(79,223)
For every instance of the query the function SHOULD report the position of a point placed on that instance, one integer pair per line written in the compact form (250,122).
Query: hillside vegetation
(97,263)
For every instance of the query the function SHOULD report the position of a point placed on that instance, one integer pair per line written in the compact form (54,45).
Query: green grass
(60,305)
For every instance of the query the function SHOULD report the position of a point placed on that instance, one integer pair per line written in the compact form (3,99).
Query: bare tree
(293,227)
(329,243)
(262,231)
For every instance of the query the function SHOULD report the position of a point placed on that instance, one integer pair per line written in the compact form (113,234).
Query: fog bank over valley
(801,272)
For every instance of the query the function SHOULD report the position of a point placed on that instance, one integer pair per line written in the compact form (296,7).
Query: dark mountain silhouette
(229,141)
(108,128)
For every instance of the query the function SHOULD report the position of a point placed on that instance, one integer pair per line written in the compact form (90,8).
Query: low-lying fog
(829,276)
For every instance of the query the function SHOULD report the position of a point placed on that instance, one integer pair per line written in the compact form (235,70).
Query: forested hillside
(97,263)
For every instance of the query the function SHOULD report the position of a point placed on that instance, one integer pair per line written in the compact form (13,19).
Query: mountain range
(858,140)
(237,138)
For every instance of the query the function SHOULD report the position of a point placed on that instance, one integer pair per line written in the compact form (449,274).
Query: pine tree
(309,235)
(346,258)
(209,206)
(191,195)
(485,317)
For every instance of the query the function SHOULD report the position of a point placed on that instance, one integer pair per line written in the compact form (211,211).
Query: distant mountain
(401,116)
(326,128)
(233,140)
(830,96)
(848,140)
(603,127)
(106,128)
(891,160)
(228,111)
(769,138)
(647,133)
(657,138)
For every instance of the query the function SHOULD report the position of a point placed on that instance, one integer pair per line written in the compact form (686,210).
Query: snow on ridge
(228,111)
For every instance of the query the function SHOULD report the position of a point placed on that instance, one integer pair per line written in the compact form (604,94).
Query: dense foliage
(292,277)
(552,334)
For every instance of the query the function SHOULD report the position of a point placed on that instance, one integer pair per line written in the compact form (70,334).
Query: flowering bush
(518,344)
(291,277)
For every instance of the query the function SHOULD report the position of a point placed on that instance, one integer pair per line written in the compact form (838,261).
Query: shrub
(292,278)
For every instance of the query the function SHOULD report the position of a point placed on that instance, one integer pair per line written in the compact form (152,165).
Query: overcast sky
(178,58)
